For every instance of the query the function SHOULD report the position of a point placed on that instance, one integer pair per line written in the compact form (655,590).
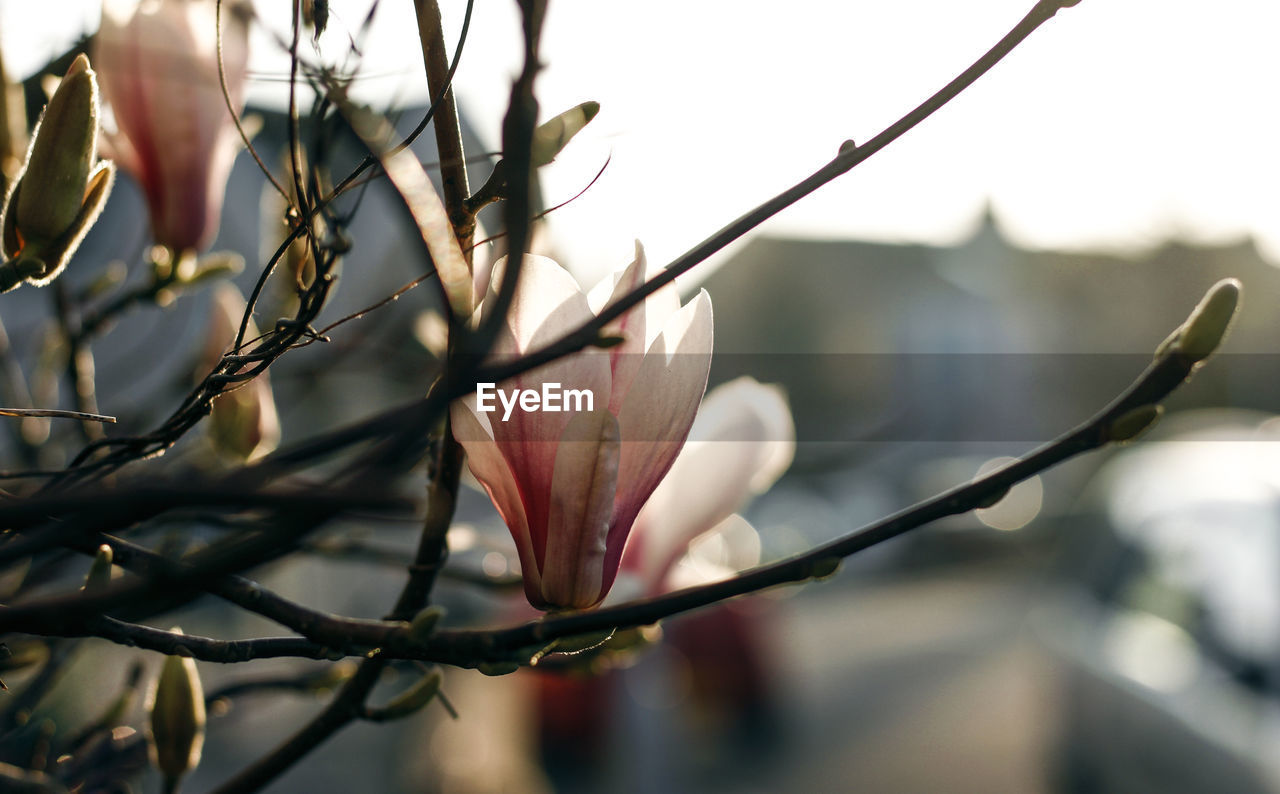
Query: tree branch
(1129,413)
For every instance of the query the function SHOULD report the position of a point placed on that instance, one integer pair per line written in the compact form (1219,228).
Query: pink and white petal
(117,57)
(528,439)
(646,320)
(547,304)
(738,547)
(158,71)
(116,147)
(481,264)
(487,464)
(600,294)
(638,327)
(656,418)
(582,495)
(757,417)
(707,483)
(741,441)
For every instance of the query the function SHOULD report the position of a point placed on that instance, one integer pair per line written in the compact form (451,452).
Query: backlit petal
(656,419)
(582,493)
(740,443)
(638,327)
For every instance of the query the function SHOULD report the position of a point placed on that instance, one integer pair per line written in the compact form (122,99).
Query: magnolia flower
(157,63)
(569,484)
(741,442)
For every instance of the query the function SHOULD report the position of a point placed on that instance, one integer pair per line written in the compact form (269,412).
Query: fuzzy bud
(1132,424)
(1210,320)
(177,719)
(551,137)
(412,699)
(100,570)
(62,187)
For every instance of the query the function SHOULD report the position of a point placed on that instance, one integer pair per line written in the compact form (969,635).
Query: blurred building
(983,341)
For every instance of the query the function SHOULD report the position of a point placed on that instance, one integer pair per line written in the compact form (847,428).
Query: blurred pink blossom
(741,442)
(157,64)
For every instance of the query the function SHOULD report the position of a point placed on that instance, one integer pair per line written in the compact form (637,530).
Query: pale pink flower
(741,442)
(569,484)
(157,64)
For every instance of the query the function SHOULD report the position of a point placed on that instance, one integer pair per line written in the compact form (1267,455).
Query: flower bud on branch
(177,712)
(62,188)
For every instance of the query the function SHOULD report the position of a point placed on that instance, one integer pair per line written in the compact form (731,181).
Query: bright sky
(1119,123)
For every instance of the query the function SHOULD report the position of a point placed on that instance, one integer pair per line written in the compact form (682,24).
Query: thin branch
(1165,374)
(472,647)
(331,631)
(123,450)
(351,180)
(453,170)
(349,704)
(1172,366)
(205,649)
(98,320)
(345,707)
(61,519)
(57,414)
(323,332)
(311,682)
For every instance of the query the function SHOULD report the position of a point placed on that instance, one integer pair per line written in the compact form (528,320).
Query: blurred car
(1169,633)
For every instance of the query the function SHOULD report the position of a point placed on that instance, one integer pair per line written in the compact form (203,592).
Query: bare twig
(175,643)
(57,414)
(453,172)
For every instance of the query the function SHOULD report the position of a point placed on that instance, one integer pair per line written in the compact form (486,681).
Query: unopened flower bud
(1134,423)
(552,136)
(825,568)
(62,187)
(243,422)
(177,719)
(992,499)
(100,570)
(412,699)
(62,156)
(1209,321)
(497,668)
(424,623)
